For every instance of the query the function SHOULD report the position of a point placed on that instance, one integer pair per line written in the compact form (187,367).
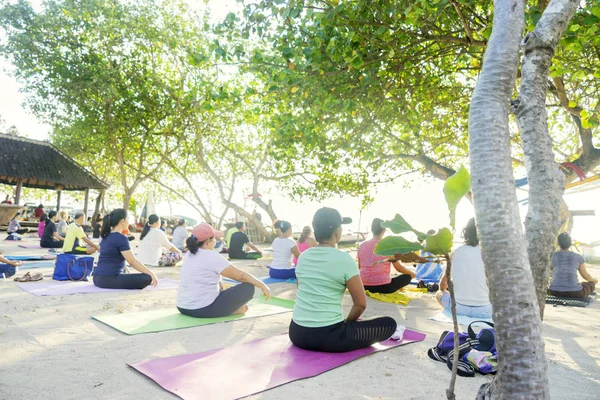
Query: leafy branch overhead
(455,188)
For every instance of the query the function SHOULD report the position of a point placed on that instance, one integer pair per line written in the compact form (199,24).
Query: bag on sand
(477,351)
(71,267)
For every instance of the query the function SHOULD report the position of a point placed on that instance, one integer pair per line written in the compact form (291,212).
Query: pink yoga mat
(61,288)
(249,368)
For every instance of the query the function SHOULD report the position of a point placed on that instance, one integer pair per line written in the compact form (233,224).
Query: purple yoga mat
(249,368)
(61,288)
(30,246)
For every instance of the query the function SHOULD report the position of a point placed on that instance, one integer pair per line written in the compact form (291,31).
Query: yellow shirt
(74,234)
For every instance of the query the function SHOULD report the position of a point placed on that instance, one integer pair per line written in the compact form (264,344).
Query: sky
(421,204)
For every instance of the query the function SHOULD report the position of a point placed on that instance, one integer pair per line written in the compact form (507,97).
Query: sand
(51,349)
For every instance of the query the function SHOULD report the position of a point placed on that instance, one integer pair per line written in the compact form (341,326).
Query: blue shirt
(111,262)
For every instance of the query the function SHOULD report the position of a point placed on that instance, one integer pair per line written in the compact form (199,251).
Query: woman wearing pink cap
(201,293)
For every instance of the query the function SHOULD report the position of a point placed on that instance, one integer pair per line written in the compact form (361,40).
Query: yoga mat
(569,301)
(30,258)
(37,264)
(61,288)
(30,246)
(397,298)
(248,368)
(446,316)
(169,319)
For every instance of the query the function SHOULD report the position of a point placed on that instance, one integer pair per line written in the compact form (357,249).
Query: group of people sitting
(323,274)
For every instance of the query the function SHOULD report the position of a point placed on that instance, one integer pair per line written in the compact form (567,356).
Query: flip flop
(38,276)
(24,278)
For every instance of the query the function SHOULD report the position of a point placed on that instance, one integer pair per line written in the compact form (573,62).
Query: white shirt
(468,276)
(150,248)
(180,235)
(199,280)
(282,253)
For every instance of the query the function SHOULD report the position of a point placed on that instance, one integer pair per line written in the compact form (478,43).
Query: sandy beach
(51,349)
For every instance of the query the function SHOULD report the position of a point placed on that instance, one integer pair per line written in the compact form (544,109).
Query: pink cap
(204,232)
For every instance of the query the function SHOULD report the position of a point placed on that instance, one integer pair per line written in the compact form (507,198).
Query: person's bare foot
(241,310)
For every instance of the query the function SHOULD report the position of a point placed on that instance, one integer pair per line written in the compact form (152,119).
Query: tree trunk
(522,368)
(546,181)
(127,195)
(97,206)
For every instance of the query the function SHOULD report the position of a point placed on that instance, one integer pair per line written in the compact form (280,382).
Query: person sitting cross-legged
(237,242)
(15,227)
(152,242)
(324,273)
(111,272)
(284,248)
(375,270)
(75,233)
(201,293)
(565,265)
(468,276)
(50,238)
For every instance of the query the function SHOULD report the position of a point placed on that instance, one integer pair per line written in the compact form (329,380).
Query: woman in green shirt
(323,274)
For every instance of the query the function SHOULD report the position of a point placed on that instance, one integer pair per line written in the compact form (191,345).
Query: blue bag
(71,267)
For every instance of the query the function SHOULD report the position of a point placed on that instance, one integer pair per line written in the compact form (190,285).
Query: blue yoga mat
(23,258)
(38,264)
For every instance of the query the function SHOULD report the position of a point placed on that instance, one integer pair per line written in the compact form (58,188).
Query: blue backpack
(72,267)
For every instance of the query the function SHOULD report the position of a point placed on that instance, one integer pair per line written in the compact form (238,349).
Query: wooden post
(18,191)
(58,200)
(85,205)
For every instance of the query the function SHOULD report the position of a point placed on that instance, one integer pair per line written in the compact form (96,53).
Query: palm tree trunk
(522,367)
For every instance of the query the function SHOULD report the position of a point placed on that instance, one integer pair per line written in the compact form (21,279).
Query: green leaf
(572,104)
(596,11)
(357,62)
(455,188)
(395,244)
(381,30)
(440,243)
(397,225)
(586,124)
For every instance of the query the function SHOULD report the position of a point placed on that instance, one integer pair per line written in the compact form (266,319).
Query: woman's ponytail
(105,230)
(192,244)
(111,220)
(152,219)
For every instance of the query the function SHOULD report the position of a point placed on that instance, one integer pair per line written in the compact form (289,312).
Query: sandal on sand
(29,277)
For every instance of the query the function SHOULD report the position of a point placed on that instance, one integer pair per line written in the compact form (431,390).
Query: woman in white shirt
(201,293)
(284,249)
(152,242)
(468,275)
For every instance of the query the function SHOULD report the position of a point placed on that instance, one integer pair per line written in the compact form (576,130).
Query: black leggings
(123,281)
(21,231)
(343,336)
(52,244)
(246,256)
(397,283)
(225,304)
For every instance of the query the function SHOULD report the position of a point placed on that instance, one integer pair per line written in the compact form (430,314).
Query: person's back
(565,265)
(13,226)
(468,276)
(111,261)
(282,253)
(150,247)
(180,235)
(72,237)
(372,271)
(236,245)
(322,277)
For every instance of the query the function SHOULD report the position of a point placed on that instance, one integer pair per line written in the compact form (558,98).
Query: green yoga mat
(169,319)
